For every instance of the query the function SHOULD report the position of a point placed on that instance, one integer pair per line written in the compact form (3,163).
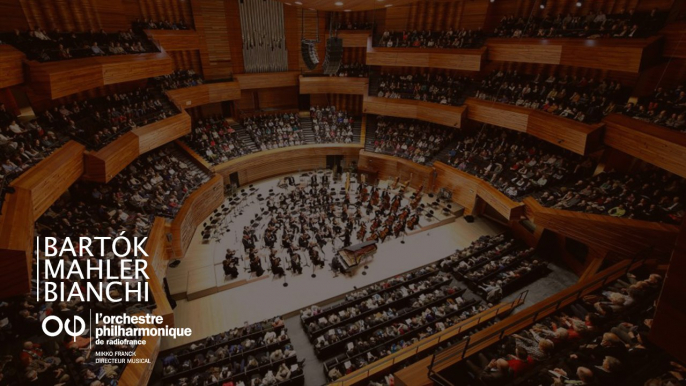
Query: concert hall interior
(346,193)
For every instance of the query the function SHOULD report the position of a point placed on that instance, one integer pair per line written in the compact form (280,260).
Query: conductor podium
(355,255)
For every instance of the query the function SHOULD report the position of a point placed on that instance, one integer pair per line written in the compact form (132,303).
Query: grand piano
(356,255)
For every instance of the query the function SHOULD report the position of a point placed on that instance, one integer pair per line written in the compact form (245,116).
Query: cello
(362,232)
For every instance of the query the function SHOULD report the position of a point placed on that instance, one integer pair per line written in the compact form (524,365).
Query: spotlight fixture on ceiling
(347,10)
(579,3)
(388,5)
(339,3)
(492,1)
(299,3)
(544,3)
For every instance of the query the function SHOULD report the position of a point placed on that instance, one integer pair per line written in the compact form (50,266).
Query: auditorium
(342,192)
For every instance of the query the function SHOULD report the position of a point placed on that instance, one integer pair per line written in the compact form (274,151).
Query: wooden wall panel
(564,132)
(466,188)
(175,40)
(426,111)
(277,98)
(267,80)
(16,244)
(333,85)
(81,15)
(103,165)
(655,144)
(172,10)
(190,97)
(390,168)
(12,15)
(674,35)
(158,260)
(51,177)
(499,114)
(233,29)
(195,209)
(353,38)
(463,59)
(161,132)
(11,66)
(187,60)
(624,236)
(629,55)
(59,79)
(292,29)
(212,25)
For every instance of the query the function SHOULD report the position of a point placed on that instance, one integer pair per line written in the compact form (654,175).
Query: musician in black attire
(275,263)
(229,264)
(296,267)
(248,243)
(314,256)
(255,264)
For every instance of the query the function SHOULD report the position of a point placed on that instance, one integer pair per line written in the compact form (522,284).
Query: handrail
(487,337)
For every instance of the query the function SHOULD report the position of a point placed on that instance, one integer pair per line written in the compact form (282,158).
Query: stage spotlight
(544,3)
(579,3)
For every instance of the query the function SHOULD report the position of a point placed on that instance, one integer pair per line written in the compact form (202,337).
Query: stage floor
(201,272)
(266,298)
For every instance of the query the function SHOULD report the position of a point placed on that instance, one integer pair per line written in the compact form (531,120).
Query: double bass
(384,233)
(362,232)
(395,183)
(412,222)
(375,197)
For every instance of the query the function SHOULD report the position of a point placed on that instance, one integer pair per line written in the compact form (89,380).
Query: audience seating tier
(353,38)
(333,85)
(426,345)
(11,66)
(628,55)
(462,59)
(472,192)
(16,244)
(563,132)
(626,236)
(452,116)
(416,374)
(267,80)
(270,163)
(194,211)
(175,40)
(62,78)
(389,167)
(188,97)
(652,143)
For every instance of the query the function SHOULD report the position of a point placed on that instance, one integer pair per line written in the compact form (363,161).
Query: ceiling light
(380,1)
(543,3)
(492,1)
(288,3)
(579,3)
(388,5)
(347,10)
(339,3)
(299,3)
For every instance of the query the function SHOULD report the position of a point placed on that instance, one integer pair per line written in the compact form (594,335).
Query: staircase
(244,137)
(307,130)
(370,136)
(444,153)
(193,168)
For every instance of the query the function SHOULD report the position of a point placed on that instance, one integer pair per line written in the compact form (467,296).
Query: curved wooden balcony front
(34,192)
(628,55)
(104,164)
(11,66)
(267,80)
(175,40)
(626,236)
(333,85)
(468,59)
(661,146)
(353,38)
(66,77)
(567,133)
(188,97)
(408,108)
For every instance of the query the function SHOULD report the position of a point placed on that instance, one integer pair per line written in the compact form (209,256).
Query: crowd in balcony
(663,107)
(143,24)
(462,38)
(216,141)
(580,98)
(516,163)
(273,131)
(651,194)
(96,122)
(601,339)
(412,139)
(258,354)
(44,46)
(423,86)
(178,79)
(23,144)
(593,25)
(331,125)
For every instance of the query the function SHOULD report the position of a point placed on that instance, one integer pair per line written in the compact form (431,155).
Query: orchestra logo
(64,326)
